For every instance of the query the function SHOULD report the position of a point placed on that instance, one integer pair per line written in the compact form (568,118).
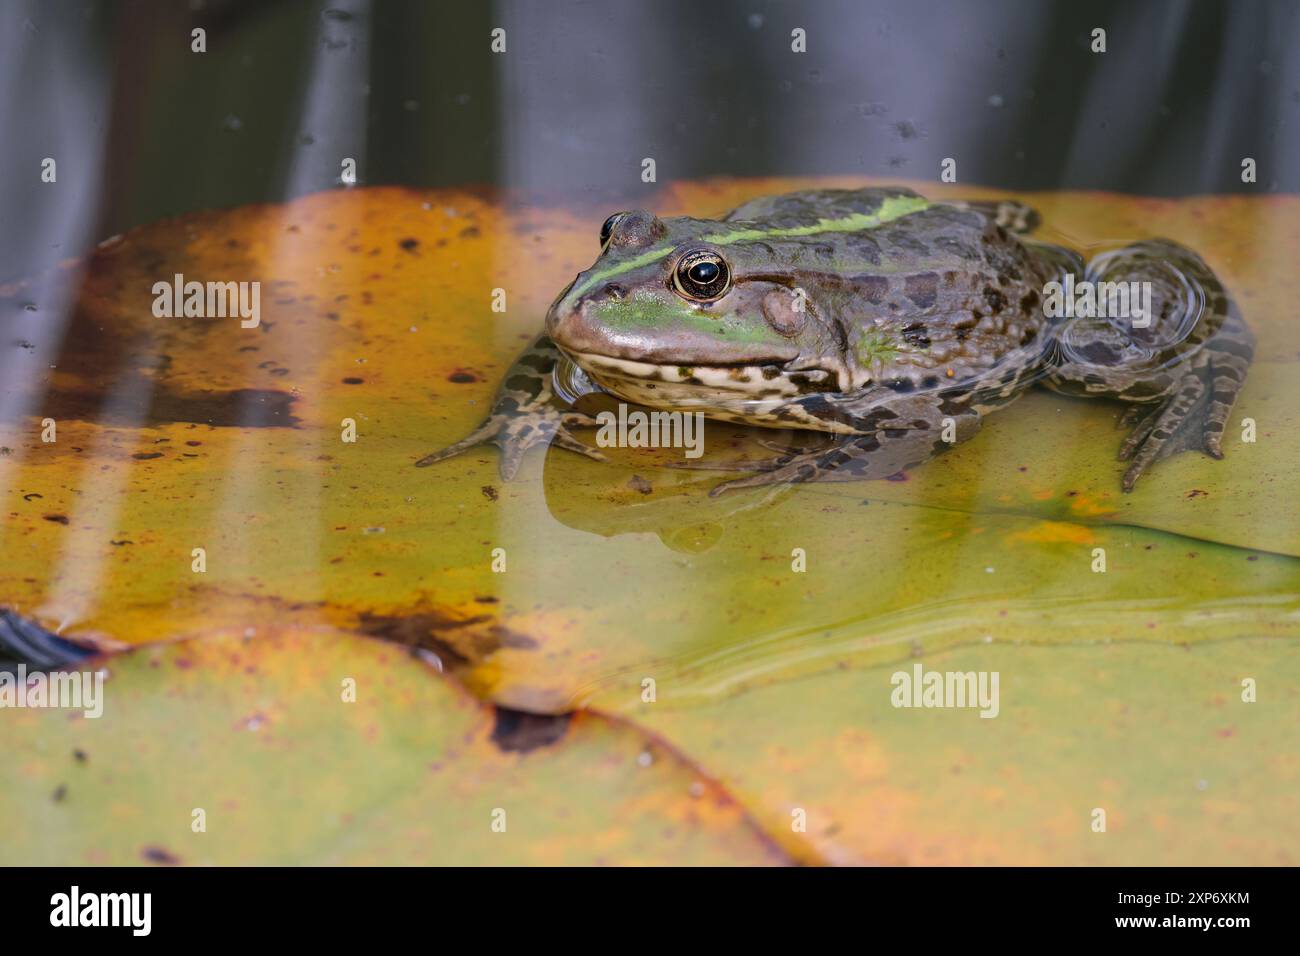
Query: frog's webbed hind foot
(522,416)
(1191,418)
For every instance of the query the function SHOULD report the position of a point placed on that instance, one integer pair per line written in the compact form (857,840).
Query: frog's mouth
(705,386)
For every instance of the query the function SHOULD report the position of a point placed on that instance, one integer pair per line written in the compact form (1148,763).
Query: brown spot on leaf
(518,732)
(156,854)
(435,631)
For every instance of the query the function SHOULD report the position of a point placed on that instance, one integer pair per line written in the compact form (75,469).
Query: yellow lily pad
(201,481)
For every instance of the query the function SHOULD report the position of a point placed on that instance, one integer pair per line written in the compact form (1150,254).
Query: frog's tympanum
(891,320)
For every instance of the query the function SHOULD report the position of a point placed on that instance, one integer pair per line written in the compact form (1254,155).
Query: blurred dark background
(141,127)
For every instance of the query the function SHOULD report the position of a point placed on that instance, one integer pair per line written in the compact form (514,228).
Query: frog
(888,322)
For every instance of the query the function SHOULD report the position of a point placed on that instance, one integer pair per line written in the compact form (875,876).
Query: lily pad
(1156,736)
(257,733)
(202,481)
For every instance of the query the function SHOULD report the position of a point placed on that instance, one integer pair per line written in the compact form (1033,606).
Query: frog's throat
(895,207)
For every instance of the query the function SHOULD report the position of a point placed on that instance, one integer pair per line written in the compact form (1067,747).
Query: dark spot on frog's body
(146,455)
(996,301)
(470,232)
(410,245)
(1098,353)
(489,493)
(57,519)
(462,377)
(864,248)
(770,372)
(916,334)
(901,384)
(539,362)
(872,288)
(353,380)
(1029,301)
(922,289)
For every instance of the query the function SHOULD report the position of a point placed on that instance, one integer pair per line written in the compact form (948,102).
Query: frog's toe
(1130,416)
(517,432)
(578,420)
(1191,419)
(564,439)
(485,432)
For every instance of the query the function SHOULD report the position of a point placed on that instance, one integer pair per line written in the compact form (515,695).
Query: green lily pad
(1155,735)
(256,733)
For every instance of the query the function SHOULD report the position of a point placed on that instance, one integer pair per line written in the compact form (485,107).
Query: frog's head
(681,311)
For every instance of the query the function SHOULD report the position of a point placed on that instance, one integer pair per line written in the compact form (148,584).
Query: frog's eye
(702,275)
(607,230)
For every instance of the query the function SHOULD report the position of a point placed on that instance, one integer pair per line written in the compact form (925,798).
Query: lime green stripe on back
(895,207)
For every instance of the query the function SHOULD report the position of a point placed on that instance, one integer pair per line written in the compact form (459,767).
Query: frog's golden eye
(702,275)
(607,230)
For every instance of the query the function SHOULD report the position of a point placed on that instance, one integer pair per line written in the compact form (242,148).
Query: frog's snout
(571,321)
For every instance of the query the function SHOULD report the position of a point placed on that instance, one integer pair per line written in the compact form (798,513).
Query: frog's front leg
(523,415)
(1183,368)
(895,432)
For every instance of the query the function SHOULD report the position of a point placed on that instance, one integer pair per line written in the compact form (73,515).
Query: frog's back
(918,287)
(806,207)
